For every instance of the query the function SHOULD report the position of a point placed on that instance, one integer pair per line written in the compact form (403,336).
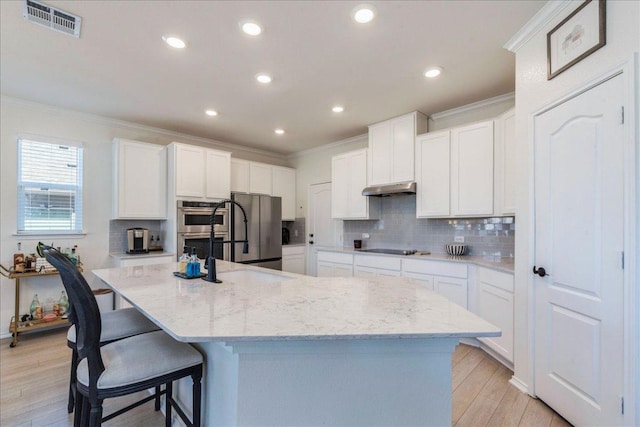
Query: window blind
(49,187)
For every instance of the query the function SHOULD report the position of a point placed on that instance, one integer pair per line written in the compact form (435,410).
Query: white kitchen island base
(327,382)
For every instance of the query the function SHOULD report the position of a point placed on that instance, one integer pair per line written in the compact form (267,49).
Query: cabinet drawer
(438,268)
(496,278)
(336,257)
(384,262)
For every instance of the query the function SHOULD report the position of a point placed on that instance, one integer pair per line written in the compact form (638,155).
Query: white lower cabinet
(495,305)
(334,264)
(448,279)
(376,266)
(293,259)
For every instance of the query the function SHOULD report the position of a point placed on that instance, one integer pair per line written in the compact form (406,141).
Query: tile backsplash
(118,232)
(296,230)
(398,228)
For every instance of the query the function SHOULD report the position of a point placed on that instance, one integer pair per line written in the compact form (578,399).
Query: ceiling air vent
(52,17)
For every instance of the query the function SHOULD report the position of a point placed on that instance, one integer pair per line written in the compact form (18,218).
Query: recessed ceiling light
(433,72)
(251,28)
(279,131)
(364,13)
(338,109)
(211,113)
(174,42)
(263,78)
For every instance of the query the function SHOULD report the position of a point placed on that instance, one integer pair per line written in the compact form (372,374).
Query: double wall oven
(194,228)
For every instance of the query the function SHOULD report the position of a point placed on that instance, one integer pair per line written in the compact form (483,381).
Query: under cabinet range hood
(390,189)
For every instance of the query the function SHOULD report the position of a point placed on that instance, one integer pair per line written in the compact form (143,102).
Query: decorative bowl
(455,249)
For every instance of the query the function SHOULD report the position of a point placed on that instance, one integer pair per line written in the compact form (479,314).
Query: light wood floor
(34,379)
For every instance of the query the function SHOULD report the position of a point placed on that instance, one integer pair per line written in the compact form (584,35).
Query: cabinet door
(190,171)
(505,164)
(360,271)
(495,305)
(452,288)
(239,176)
(382,272)
(404,134)
(324,269)
(293,263)
(380,152)
(432,175)
(424,279)
(357,181)
(284,186)
(340,178)
(260,178)
(140,187)
(472,170)
(342,270)
(218,173)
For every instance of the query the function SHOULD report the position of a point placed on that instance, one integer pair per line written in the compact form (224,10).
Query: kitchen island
(285,349)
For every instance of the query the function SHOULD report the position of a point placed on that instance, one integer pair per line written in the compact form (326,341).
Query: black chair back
(87,314)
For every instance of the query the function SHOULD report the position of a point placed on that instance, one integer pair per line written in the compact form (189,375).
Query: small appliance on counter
(137,240)
(285,236)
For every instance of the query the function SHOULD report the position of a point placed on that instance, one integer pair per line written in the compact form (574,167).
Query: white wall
(20,117)
(533,92)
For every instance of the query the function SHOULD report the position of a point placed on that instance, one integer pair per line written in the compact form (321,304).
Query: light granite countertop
(275,305)
(153,254)
(505,264)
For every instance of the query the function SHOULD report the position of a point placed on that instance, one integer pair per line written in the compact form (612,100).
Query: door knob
(311,235)
(539,271)
(311,242)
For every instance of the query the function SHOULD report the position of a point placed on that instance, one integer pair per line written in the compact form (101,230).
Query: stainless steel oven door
(200,241)
(196,220)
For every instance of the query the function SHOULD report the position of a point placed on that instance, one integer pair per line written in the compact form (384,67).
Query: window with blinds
(49,187)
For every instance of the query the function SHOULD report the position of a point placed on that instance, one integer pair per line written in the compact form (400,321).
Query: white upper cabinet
(348,179)
(140,180)
(218,174)
(454,172)
(284,186)
(433,170)
(251,177)
(198,172)
(472,170)
(505,164)
(239,176)
(391,148)
(260,178)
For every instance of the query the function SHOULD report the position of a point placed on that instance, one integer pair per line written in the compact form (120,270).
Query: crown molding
(474,106)
(94,118)
(540,20)
(327,146)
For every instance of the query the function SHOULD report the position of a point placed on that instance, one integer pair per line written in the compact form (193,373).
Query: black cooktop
(391,251)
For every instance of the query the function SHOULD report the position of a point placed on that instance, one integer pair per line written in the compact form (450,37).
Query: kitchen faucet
(211,260)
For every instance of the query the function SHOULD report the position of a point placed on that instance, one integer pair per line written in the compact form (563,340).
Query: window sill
(35,235)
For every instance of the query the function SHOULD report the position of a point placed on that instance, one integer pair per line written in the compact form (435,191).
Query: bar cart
(15,326)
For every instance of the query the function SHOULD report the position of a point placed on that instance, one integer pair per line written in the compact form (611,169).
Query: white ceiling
(120,67)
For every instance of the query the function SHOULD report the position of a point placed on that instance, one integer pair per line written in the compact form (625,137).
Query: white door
(321,229)
(578,241)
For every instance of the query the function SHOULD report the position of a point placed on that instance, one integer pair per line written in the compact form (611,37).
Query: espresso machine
(137,240)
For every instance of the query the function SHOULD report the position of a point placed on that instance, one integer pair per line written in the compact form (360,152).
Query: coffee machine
(137,240)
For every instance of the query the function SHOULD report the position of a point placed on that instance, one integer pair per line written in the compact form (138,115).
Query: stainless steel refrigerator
(264,216)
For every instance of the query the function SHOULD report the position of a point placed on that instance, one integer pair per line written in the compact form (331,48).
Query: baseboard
(519,384)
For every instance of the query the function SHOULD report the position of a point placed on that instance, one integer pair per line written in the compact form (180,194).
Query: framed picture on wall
(576,37)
